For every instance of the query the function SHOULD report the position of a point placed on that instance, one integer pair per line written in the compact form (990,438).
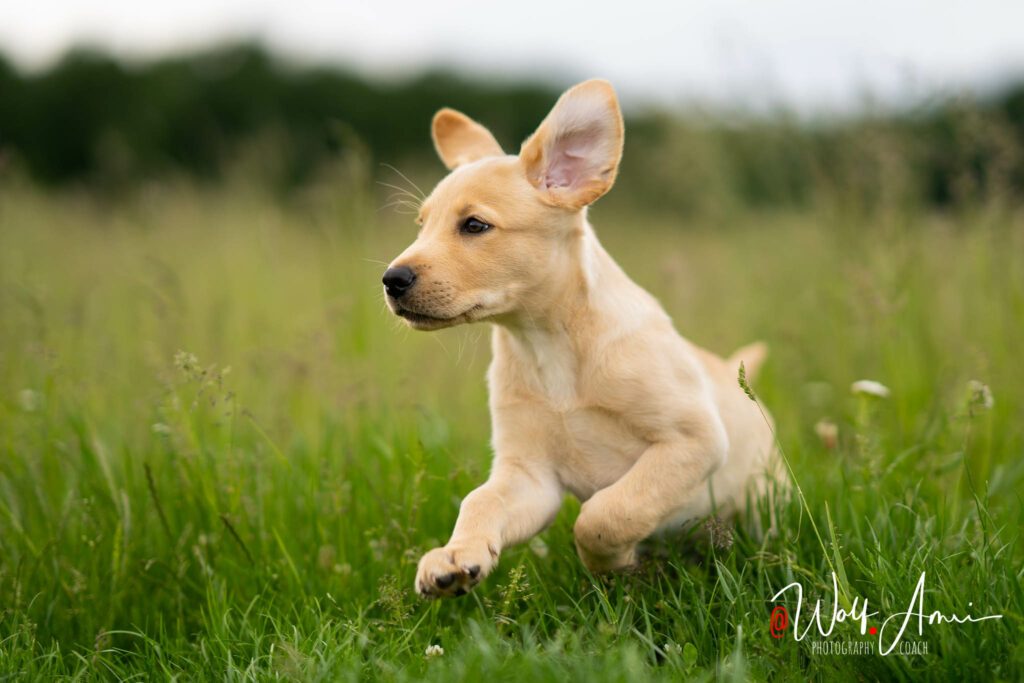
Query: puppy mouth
(424,320)
(414,317)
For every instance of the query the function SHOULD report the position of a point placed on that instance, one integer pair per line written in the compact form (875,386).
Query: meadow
(221,457)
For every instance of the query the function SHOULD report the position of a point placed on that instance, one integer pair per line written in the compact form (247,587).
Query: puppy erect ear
(460,140)
(574,155)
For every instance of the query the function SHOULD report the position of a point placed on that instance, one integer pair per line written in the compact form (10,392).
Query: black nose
(398,280)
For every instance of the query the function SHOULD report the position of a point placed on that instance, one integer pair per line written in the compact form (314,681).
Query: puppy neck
(586,300)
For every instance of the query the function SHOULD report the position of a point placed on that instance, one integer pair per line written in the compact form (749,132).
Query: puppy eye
(475,225)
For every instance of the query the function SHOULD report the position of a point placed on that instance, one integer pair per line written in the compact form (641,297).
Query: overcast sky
(808,55)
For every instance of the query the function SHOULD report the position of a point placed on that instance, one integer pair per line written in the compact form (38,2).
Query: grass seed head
(744,385)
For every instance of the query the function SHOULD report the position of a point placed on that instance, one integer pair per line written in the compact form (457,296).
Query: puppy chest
(599,448)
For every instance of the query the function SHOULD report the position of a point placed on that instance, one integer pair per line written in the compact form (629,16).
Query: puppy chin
(422,321)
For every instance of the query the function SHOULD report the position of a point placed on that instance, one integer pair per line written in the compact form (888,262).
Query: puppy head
(497,234)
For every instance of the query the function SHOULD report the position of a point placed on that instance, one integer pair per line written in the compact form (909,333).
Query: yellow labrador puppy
(592,391)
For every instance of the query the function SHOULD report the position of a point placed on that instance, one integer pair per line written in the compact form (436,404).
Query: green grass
(163,517)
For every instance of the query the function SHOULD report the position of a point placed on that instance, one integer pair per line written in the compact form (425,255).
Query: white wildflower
(434,651)
(869,387)
(160,428)
(981,395)
(828,432)
(674,648)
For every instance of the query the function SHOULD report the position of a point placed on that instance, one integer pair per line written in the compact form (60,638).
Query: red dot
(872,630)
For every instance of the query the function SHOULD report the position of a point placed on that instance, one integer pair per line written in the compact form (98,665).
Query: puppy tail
(752,355)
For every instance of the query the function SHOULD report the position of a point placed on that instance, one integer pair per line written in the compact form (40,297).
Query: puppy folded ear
(459,139)
(574,155)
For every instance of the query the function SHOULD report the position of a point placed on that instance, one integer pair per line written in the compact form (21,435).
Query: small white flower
(674,648)
(828,432)
(160,428)
(539,547)
(434,651)
(869,387)
(981,395)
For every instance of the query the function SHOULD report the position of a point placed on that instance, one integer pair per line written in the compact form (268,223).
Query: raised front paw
(453,570)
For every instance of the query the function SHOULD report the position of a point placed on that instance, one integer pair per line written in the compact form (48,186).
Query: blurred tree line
(92,119)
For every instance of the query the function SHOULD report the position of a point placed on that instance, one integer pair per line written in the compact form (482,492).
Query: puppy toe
(452,572)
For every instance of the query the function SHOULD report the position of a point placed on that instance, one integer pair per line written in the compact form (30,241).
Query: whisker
(404,196)
(437,338)
(416,187)
(410,208)
(402,191)
(407,212)
(404,199)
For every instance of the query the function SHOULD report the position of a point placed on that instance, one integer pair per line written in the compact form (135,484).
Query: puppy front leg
(662,482)
(516,503)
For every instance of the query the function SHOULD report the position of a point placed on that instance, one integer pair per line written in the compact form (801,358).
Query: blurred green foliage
(94,119)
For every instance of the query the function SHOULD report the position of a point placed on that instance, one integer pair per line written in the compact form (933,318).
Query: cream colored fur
(592,391)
